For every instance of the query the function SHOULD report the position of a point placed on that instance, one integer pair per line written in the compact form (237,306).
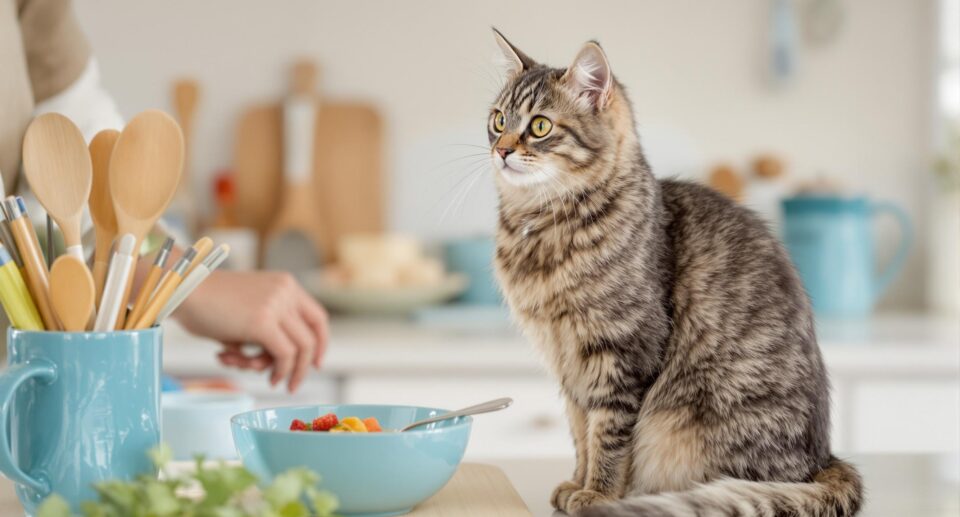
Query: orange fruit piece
(373,426)
(354,424)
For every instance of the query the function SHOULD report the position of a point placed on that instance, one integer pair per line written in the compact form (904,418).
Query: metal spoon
(486,407)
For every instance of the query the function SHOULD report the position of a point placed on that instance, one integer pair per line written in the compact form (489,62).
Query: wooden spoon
(72,293)
(101,206)
(57,164)
(145,170)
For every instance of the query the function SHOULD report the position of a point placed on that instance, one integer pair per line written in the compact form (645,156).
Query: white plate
(383,301)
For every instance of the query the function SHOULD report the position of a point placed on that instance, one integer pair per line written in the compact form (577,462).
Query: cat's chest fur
(588,278)
(574,284)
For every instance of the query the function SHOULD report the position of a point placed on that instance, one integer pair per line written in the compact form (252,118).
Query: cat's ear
(590,76)
(516,62)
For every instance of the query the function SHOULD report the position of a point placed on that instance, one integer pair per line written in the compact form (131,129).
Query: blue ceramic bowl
(373,474)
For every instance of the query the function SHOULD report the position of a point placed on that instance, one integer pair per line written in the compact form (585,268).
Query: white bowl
(198,422)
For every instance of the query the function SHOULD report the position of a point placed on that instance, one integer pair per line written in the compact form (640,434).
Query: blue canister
(830,240)
(82,407)
(473,256)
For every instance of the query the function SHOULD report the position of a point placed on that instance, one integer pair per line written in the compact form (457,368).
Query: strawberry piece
(325,422)
(299,425)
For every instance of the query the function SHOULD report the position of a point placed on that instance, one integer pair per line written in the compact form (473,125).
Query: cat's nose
(504,151)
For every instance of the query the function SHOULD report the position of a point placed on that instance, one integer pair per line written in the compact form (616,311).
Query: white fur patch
(519,173)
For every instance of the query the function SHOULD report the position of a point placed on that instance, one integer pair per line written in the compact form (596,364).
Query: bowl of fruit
(358,450)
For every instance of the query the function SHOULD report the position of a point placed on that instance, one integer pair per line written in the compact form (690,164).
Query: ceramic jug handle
(10,380)
(886,277)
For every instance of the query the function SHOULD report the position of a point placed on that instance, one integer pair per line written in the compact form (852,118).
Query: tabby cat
(679,331)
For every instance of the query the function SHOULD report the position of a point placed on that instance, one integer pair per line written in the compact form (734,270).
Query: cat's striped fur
(678,329)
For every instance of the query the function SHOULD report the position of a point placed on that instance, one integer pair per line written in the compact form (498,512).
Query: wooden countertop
(896,485)
(475,491)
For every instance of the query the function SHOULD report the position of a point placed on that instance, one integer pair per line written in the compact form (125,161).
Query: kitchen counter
(895,380)
(888,344)
(897,485)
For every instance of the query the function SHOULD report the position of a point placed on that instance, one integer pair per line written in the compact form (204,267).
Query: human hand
(268,309)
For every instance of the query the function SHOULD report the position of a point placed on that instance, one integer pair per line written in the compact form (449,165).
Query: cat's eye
(499,121)
(540,126)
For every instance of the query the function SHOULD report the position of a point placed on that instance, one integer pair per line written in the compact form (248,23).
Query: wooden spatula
(145,170)
(72,293)
(57,164)
(186,94)
(101,206)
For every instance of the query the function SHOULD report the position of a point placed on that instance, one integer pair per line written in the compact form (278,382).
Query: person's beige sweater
(42,52)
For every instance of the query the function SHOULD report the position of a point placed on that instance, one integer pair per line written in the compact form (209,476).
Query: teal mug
(473,256)
(77,408)
(830,240)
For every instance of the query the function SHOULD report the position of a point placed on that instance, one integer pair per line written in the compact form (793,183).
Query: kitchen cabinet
(895,381)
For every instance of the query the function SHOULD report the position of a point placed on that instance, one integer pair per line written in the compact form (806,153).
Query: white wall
(858,111)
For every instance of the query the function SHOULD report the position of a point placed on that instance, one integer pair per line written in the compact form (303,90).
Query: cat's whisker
(466,191)
(562,194)
(484,147)
(471,156)
(454,190)
(461,197)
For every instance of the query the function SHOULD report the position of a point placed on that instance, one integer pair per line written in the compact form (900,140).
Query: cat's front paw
(563,492)
(583,498)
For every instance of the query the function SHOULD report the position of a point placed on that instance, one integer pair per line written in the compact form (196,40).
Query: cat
(678,329)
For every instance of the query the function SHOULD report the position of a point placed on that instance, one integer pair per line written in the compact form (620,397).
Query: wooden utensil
(166,288)
(72,293)
(101,206)
(186,94)
(203,246)
(347,169)
(196,275)
(38,279)
(299,214)
(150,284)
(121,266)
(57,165)
(145,170)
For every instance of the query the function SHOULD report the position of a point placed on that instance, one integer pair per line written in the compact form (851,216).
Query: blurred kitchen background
(846,109)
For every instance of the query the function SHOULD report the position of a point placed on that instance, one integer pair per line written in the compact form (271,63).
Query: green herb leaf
(161,455)
(228,491)
(288,487)
(54,506)
(222,483)
(323,503)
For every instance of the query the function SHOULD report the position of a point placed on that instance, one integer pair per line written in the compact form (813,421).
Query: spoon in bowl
(485,407)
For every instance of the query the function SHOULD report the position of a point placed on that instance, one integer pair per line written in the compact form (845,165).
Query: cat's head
(556,130)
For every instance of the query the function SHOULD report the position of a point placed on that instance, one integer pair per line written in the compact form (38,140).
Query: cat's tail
(836,491)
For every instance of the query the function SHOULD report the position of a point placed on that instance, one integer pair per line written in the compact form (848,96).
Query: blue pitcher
(830,240)
(77,408)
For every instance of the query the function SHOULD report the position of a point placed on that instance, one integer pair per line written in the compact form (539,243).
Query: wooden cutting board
(348,169)
(475,491)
